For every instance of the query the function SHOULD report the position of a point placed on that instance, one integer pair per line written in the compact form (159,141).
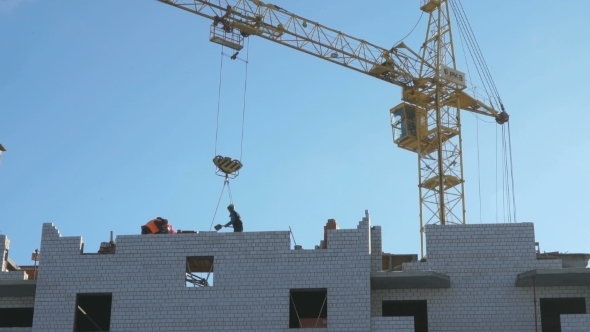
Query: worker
(155,226)
(235,219)
(223,20)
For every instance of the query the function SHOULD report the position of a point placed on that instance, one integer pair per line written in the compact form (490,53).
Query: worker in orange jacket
(155,226)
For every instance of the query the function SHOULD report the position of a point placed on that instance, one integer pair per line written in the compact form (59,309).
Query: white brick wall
(575,323)
(14,275)
(254,272)
(483,262)
(397,324)
(4,274)
(16,302)
(376,249)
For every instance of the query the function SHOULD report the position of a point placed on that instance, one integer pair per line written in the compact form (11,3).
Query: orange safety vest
(152,226)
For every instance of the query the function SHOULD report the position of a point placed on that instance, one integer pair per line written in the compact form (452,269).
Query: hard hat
(231,206)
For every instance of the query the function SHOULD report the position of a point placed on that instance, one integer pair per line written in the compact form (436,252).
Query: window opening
(93,312)
(552,308)
(16,317)
(199,271)
(418,309)
(308,308)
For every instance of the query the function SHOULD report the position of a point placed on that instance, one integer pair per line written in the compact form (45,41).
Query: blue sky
(108,112)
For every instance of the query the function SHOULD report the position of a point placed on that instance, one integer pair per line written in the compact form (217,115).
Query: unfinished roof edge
(127,243)
(573,260)
(409,280)
(466,266)
(11,265)
(18,288)
(360,240)
(554,277)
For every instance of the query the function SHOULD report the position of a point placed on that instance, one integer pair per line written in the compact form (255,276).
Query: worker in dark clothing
(224,20)
(235,219)
(155,226)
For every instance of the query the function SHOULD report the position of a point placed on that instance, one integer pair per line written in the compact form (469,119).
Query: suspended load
(229,167)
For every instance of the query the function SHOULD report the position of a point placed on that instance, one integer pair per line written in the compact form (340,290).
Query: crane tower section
(428,122)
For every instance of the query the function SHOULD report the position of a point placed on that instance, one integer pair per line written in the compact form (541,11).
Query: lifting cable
(496,149)
(231,197)
(473,46)
(231,200)
(469,41)
(509,175)
(217,207)
(233,57)
(508,196)
(244,99)
(503,171)
(409,33)
(225,166)
(477,119)
(511,171)
(218,100)
(478,168)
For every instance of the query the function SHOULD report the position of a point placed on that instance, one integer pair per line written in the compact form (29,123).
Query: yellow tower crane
(427,122)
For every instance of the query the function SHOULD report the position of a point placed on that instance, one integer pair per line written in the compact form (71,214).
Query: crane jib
(433,91)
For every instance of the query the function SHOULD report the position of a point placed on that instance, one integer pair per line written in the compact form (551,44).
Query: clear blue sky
(108,114)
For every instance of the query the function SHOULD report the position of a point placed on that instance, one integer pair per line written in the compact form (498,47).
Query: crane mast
(441,167)
(427,121)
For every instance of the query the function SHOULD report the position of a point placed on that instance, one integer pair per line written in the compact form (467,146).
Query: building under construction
(483,277)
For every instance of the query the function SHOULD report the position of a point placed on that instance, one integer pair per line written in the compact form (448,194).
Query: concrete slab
(567,260)
(409,279)
(554,277)
(11,265)
(17,288)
